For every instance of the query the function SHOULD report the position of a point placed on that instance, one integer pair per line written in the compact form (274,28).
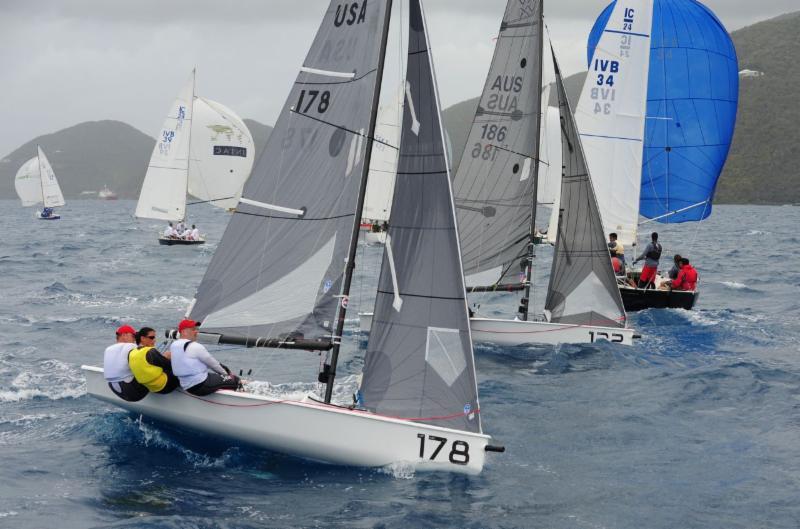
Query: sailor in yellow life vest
(150,367)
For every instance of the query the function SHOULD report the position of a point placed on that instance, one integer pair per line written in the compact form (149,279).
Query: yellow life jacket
(150,376)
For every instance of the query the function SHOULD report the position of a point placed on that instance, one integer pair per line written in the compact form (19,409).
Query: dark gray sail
(278,269)
(419,363)
(583,289)
(496,178)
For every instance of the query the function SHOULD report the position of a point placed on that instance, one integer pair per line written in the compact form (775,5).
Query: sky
(64,62)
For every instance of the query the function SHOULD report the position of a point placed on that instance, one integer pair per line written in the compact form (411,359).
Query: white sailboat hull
(308,429)
(517,332)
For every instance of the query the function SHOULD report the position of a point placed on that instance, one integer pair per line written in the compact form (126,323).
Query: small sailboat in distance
(281,274)
(106,194)
(204,150)
(36,183)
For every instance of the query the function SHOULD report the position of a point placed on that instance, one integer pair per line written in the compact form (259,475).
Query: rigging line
(356,133)
(206,201)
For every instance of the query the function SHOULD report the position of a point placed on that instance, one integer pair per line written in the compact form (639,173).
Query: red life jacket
(616,264)
(687,278)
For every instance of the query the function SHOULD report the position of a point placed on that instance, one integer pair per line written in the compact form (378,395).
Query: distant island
(761,167)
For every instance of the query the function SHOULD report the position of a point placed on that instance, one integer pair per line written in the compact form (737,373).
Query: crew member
(687,277)
(194,234)
(150,367)
(191,362)
(116,370)
(616,246)
(169,232)
(676,267)
(616,263)
(651,256)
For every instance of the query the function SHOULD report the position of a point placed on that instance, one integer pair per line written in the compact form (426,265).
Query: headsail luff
(583,289)
(279,267)
(611,115)
(419,363)
(28,182)
(495,183)
(163,194)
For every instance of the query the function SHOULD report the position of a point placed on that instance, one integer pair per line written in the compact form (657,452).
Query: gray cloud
(68,61)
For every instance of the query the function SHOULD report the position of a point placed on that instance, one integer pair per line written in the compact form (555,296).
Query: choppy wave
(49,379)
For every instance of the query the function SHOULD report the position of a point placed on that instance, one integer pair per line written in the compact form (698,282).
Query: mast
(329,370)
(189,153)
(525,302)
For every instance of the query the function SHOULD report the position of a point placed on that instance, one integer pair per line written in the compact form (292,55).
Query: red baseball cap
(187,324)
(126,329)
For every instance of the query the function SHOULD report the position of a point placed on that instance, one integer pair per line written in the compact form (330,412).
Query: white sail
(51,192)
(551,144)
(549,157)
(28,183)
(383,166)
(222,154)
(163,194)
(611,113)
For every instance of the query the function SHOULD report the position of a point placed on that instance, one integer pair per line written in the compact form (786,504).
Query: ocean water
(697,425)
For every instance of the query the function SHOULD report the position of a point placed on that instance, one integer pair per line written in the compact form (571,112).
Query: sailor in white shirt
(116,370)
(194,234)
(180,228)
(191,362)
(168,231)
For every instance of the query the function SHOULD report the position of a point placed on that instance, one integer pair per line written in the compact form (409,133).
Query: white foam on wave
(400,470)
(152,436)
(9,513)
(54,380)
(734,285)
(342,391)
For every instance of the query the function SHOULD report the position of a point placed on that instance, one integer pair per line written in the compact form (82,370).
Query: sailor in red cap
(191,362)
(116,370)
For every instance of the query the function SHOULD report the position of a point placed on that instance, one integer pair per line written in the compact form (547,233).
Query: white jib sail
(551,145)
(163,194)
(611,112)
(222,154)
(51,192)
(28,183)
(383,165)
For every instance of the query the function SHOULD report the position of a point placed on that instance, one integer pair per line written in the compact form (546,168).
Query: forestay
(496,178)
(51,192)
(28,182)
(611,115)
(583,289)
(692,97)
(278,269)
(222,154)
(163,194)
(419,363)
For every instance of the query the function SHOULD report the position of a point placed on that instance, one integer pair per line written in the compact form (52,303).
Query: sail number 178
(459,450)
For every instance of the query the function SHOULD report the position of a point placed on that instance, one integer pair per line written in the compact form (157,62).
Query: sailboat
(36,183)
(281,274)
(205,150)
(496,190)
(656,116)
(106,194)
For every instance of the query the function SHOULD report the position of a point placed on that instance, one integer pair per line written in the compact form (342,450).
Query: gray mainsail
(278,270)
(496,178)
(583,289)
(419,363)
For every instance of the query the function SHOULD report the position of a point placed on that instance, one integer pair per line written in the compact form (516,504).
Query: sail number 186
(459,450)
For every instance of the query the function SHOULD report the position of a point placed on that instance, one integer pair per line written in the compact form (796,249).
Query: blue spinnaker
(692,94)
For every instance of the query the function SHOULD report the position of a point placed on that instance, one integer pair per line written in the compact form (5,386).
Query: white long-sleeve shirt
(191,364)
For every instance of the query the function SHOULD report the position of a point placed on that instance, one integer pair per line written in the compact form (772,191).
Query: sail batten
(495,184)
(419,361)
(279,274)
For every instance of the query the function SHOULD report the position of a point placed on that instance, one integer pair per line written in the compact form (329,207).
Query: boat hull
(179,242)
(51,217)
(639,299)
(308,429)
(517,332)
